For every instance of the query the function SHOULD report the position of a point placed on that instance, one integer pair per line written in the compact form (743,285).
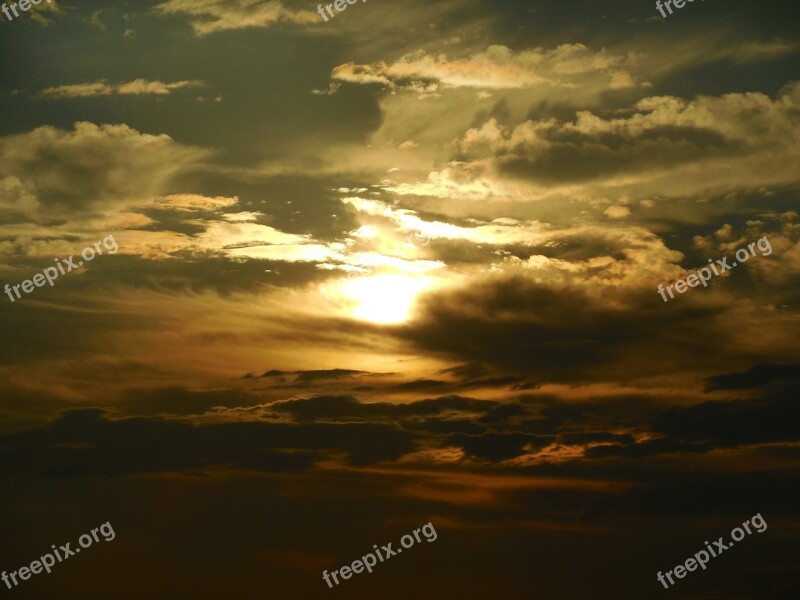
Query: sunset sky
(395,268)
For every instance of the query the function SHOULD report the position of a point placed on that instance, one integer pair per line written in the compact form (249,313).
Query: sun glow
(384,298)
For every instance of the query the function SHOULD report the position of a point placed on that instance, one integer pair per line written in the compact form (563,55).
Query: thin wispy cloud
(137,87)
(211,16)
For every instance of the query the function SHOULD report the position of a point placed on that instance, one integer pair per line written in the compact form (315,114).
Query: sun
(385,298)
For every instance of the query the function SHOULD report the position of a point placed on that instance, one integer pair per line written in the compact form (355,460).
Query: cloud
(332,408)
(51,173)
(617,212)
(189,202)
(176,400)
(499,446)
(210,16)
(578,327)
(311,376)
(82,182)
(95,20)
(79,90)
(498,67)
(500,231)
(137,87)
(713,425)
(754,377)
(383,385)
(252,240)
(664,134)
(87,442)
(50,6)
(716,144)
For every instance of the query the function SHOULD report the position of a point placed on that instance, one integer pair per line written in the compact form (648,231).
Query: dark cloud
(726,424)
(182,401)
(557,333)
(312,376)
(91,167)
(574,157)
(753,377)
(502,413)
(348,407)
(466,371)
(423,385)
(439,427)
(353,381)
(712,425)
(87,442)
(498,446)
(309,376)
(586,437)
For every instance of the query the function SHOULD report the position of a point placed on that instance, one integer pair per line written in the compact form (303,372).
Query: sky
(327,281)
